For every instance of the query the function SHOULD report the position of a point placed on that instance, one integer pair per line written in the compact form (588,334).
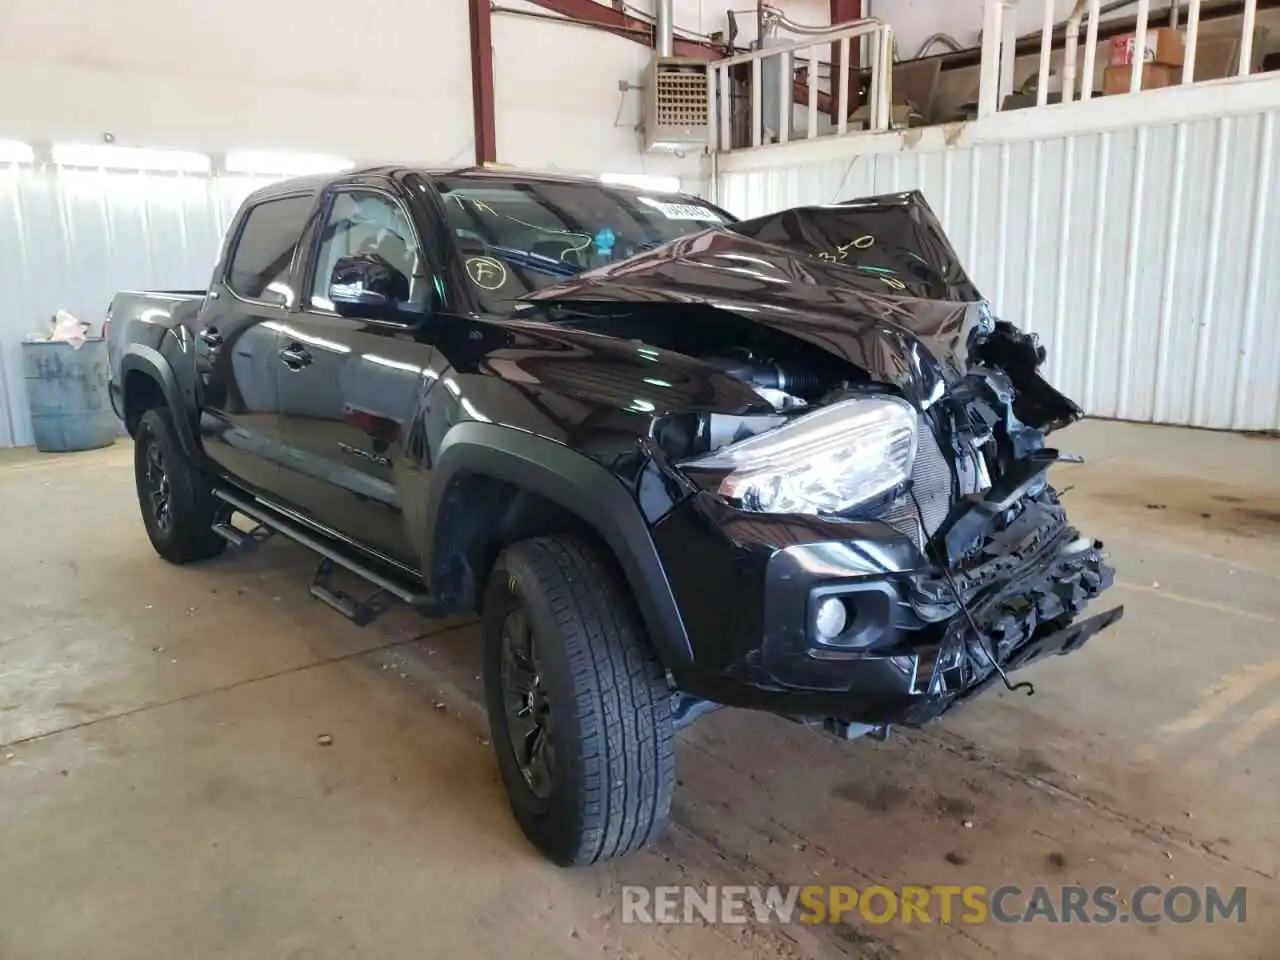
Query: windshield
(517,236)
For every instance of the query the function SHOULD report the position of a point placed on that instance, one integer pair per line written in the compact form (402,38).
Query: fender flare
(151,363)
(582,487)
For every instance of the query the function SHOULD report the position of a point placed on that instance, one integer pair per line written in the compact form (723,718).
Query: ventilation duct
(664,30)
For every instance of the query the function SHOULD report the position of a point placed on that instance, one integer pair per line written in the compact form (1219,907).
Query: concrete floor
(163,792)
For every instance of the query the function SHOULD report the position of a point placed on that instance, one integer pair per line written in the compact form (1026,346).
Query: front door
(349,388)
(237,343)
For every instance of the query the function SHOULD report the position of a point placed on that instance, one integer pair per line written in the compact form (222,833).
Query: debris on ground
(324,739)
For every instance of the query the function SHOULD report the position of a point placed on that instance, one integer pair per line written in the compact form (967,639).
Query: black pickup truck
(675,461)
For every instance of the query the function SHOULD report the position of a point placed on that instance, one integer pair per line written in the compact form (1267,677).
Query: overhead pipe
(664,31)
(946,39)
(1078,11)
(617,21)
(772,18)
(646,17)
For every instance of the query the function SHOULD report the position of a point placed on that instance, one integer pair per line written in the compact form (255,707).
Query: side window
(361,222)
(260,264)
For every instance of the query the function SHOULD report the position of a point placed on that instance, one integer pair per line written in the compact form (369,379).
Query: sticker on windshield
(486,272)
(682,211)
(605,239)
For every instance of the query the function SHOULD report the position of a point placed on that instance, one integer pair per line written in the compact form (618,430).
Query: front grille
(931,482)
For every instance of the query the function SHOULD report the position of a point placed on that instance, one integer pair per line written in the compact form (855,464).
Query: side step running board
(244,539)
(360,612)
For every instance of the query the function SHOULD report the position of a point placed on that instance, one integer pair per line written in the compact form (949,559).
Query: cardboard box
(1162,45)
(1154,75)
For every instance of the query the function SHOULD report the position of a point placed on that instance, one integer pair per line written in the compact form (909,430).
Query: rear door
(237,341)
(350,388)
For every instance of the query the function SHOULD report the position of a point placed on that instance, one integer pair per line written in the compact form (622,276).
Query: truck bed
(132,311)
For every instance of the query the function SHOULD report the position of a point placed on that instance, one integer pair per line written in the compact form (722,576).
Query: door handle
(295,356)
(210,337)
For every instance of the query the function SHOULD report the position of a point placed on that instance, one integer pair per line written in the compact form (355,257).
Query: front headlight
(827,461)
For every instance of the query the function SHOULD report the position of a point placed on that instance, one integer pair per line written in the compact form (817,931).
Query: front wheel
(176,499)
(579,706)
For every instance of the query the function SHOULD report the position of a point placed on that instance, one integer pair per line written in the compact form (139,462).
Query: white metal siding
(1146,258)
(70,239)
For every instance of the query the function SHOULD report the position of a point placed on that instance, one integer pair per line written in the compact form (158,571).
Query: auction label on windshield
(682,211)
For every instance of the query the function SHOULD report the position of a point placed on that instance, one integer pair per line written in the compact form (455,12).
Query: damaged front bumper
(918,639)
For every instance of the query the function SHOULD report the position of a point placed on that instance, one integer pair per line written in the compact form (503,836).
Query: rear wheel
(176,499)
(579,706)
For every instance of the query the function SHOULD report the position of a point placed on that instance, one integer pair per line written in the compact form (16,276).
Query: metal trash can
(67,395)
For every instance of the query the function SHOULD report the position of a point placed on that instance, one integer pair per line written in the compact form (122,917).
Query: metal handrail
(858,28)
(719,84)
(1077,78)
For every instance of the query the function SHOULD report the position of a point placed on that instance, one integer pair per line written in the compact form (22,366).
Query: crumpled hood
(874,281)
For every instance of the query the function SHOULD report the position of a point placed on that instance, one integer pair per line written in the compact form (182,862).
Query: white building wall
(558,104)
(1137,236)
(387,80)
(556,87)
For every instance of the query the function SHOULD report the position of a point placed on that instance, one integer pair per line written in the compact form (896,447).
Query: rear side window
(260,263)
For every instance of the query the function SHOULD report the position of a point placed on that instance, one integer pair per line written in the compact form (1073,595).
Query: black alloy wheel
(528,707)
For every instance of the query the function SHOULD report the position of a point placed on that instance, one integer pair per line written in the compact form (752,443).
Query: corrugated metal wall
(1148,259)
(70,238)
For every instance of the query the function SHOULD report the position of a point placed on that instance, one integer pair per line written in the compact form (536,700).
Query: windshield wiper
(533,261)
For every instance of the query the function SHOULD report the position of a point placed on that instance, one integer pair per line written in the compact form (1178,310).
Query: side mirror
(366,286)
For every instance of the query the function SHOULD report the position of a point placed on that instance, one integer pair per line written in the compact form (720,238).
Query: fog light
(831,618)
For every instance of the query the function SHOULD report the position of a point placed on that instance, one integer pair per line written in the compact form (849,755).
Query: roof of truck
(317,182)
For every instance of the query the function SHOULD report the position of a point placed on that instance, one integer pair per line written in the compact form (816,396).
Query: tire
(178,507)
(605,788)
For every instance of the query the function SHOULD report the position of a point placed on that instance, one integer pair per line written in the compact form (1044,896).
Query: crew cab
(673,460)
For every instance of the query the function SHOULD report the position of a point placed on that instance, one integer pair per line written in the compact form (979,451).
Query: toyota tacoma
(675,461)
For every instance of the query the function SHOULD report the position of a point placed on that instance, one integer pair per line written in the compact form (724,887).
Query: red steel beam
(481,17)
(641,31)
